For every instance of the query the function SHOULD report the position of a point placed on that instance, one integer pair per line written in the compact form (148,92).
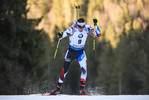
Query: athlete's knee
(66,65)
(83,70)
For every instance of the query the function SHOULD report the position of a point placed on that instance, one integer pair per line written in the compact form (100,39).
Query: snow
(71,97)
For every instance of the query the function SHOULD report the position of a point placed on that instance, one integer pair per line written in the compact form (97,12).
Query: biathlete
(77,37)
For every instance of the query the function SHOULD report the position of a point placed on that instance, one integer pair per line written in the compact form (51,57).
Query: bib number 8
(79,41)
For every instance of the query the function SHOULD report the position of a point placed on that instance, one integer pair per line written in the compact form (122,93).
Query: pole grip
(77,7)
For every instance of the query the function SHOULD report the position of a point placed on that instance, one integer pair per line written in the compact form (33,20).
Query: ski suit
(75,50)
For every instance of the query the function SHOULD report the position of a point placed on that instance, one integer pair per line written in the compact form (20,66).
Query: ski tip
(46,94)
(40,94)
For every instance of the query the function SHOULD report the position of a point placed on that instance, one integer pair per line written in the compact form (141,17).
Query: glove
(60,34)
(95,21)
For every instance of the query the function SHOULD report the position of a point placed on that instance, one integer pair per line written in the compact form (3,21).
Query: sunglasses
(81,26)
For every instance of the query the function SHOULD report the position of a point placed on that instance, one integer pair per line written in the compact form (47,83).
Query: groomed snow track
(71,97)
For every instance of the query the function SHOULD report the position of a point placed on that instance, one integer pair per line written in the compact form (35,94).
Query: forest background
(28,39)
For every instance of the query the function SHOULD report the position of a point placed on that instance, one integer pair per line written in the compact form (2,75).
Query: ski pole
(94,42)
(53,59)
(77,7)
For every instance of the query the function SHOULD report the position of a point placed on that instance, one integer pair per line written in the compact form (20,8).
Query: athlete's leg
(82,60)
(70,55)
(68,59)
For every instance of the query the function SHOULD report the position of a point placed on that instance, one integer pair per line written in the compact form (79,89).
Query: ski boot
(57,90)
(82,87)
(82,92)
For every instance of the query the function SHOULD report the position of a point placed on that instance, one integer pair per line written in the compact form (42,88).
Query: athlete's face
(81,29)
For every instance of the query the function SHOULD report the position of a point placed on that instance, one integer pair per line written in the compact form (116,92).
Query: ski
(47,94)
(38,94)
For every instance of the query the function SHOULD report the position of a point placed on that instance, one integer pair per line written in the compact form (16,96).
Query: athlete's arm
(67,32)
(91,30)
